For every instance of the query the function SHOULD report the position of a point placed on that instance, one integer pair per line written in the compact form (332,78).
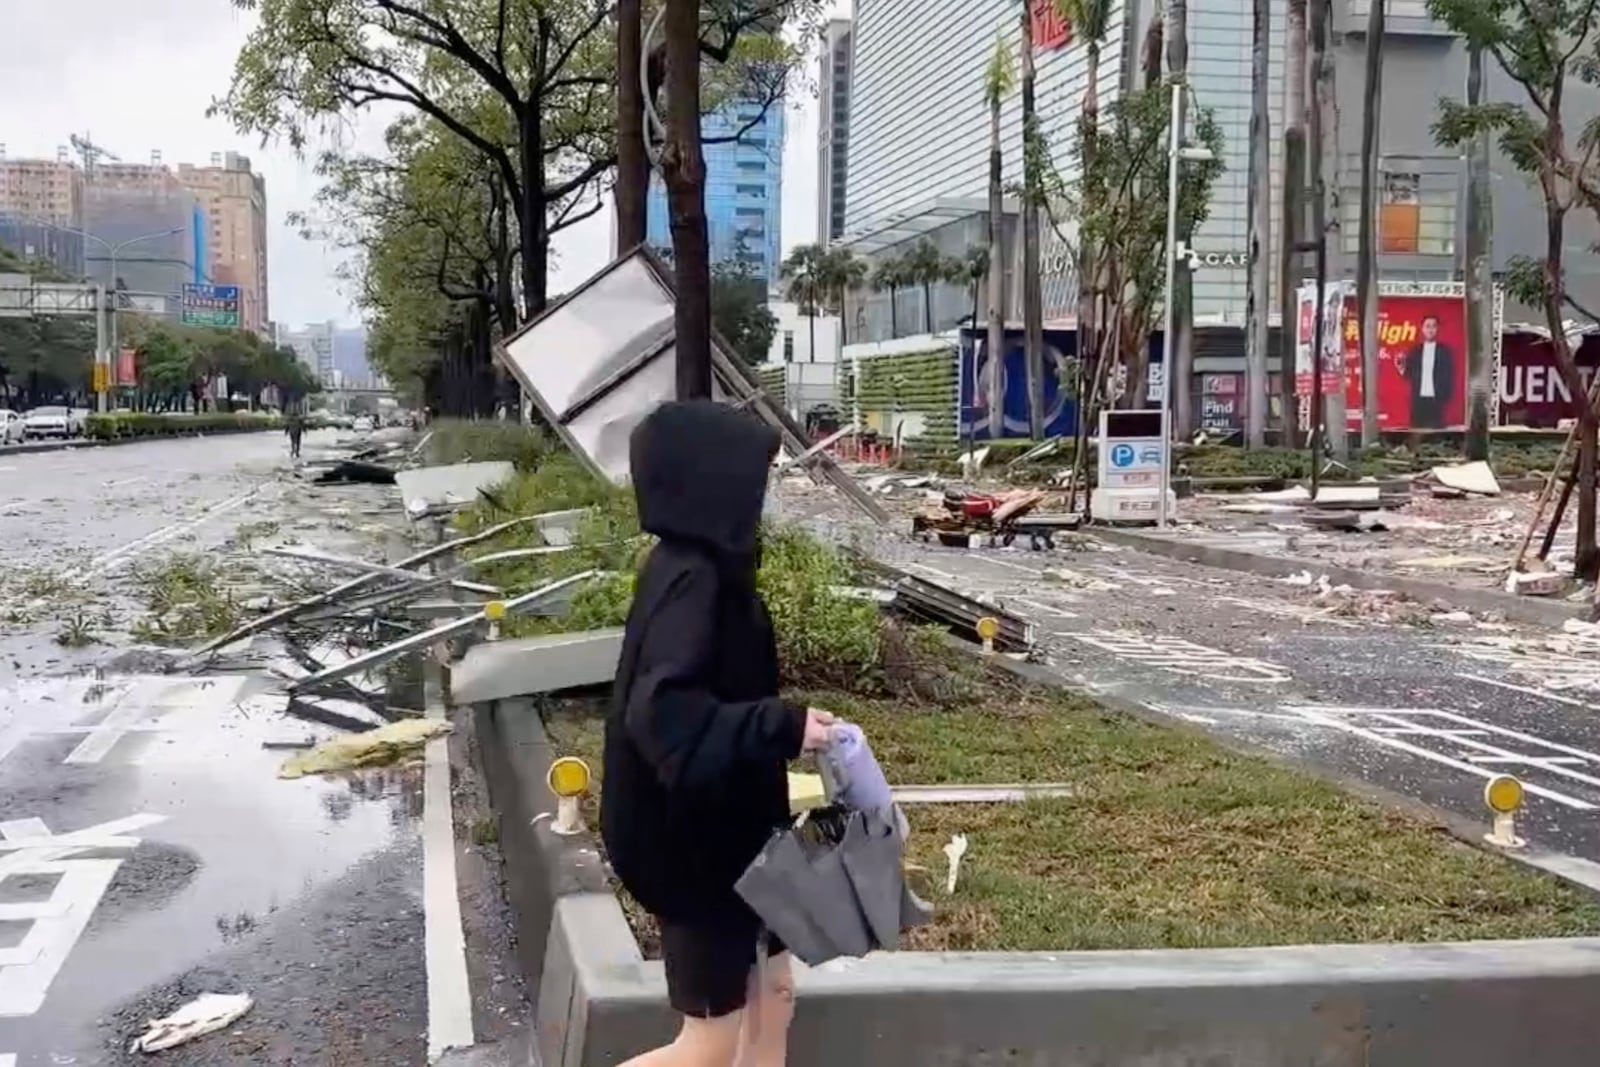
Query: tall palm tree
(1294,193)
(804,285)
(926,266)
(1367,243)
(997,83)
(843,272)
(889,275)
(1091,19)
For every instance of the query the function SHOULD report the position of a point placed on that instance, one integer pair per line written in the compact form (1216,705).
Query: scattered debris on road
(393,743)
(206,1014)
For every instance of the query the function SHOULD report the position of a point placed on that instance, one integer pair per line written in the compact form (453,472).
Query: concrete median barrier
(598,1001)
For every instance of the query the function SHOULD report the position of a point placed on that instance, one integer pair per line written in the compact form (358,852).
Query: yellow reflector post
(494,610)
(569,777)
(1503,794)
(988,627)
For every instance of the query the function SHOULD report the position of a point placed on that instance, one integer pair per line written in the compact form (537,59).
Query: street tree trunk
(996,345)
(1259,210)
(1179,378)
(633,167)
(1329,228)
(1367,264)
(1317,171)
(1293,220)
(1032,298)
(1090,329)
(1479,280)
(683,169)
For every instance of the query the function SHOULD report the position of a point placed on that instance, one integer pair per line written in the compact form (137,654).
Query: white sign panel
(1132,464)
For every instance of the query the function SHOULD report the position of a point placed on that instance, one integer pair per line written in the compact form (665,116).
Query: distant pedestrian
(295,426)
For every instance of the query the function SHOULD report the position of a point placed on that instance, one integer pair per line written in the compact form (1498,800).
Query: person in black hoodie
(697,741)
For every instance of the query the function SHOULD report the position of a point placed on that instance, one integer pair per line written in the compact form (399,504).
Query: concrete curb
(1470,1005)
(1522,609)
(27,448)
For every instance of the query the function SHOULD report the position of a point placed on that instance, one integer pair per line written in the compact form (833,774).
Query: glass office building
(744,189)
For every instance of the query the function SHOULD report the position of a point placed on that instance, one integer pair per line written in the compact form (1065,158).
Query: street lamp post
(1177,153)
(104,353)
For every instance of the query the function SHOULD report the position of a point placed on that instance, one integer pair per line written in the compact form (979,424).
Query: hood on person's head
(700,474)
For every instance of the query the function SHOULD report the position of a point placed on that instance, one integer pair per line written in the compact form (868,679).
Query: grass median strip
(1170,841)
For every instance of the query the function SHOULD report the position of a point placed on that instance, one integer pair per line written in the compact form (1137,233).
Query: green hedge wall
(923,383)
(774,382)
(141,424)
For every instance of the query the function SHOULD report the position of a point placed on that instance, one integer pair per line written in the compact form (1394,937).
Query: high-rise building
(918,145)
(41,205)
(350,357)
(314,345)
(233,202)
(833,129)
(150,236)
(744,189)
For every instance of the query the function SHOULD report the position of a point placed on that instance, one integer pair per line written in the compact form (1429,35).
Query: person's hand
(819,730)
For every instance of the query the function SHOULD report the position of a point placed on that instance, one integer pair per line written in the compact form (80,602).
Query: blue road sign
(1122,455)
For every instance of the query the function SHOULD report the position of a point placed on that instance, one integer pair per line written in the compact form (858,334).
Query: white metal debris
(1468,478)
(953,852)
(205,1014)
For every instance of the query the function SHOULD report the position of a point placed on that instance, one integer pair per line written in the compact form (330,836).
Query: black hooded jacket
(697,740)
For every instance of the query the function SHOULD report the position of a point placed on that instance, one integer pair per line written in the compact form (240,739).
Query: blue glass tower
(744,189)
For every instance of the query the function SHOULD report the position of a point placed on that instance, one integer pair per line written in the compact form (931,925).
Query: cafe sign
(1198,259)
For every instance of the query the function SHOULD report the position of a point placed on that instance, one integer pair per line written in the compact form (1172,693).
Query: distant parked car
(12,430)
(50,422)
(364,424)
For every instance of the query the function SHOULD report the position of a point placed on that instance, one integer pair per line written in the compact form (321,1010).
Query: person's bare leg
(764,1037)
(700,1043)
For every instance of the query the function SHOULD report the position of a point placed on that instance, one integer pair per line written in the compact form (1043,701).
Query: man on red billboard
(1430,370)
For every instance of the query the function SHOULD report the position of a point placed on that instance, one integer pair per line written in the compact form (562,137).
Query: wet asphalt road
(1428,712)
(149,852)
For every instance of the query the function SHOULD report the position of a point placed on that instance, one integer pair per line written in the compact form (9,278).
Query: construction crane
(92,152)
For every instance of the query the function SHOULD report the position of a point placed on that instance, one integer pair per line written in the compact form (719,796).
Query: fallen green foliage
(1169,840)
(144,424)
(485,440)
(187,599)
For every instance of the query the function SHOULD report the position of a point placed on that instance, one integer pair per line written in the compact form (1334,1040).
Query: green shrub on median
(825,636)
(135,424)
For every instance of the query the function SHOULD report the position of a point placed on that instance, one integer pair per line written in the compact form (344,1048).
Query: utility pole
(1178,371)
(1258,201)
(1032,298)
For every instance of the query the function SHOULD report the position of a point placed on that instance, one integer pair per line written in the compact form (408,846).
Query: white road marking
(8,1059)
(138,546)
(1184,657)
(1031,571)
(1553,670)
(29,967)
(125,481)
(1048,609)
(1531,691)
(444,945)
(1334,717)
(935,571)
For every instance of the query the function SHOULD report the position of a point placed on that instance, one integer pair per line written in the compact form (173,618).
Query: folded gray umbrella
(834,885)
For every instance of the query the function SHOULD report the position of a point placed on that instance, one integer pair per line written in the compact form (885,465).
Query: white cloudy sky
(138,77)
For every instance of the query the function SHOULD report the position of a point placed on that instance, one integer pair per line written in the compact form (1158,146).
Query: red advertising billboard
(1533,391)
(1421,360)
(127,367)
(1050,29)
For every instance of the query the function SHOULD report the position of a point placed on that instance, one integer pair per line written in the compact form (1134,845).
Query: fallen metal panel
(451,486)
(428,638)
(499,670)
(613,370)
(938,604)
(330,560)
